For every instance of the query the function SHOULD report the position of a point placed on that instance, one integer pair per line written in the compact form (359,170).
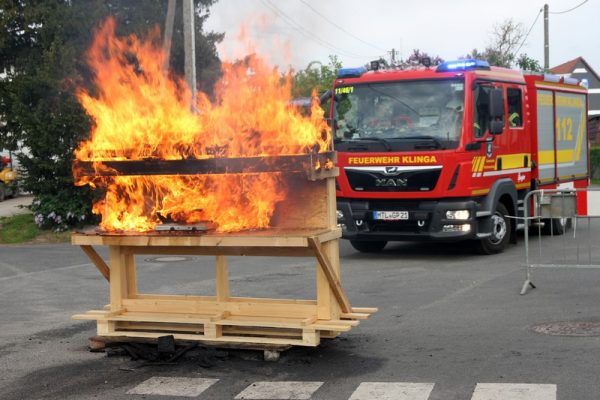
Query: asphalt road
(449,322)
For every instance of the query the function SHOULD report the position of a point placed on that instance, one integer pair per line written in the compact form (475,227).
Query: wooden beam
(215,165)
(332,279)
(97,260)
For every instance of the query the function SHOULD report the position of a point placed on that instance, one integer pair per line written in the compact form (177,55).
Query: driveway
(15,206)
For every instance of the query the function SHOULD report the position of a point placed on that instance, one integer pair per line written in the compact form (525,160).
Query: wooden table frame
(222,318)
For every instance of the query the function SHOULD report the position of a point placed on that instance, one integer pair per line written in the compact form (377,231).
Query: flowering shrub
(61,211)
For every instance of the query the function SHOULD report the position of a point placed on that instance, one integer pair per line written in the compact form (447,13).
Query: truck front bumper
(422,220)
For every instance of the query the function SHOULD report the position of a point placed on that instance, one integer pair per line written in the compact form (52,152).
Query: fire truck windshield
(401,111)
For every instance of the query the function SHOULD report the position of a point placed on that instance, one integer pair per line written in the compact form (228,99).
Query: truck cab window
(515,109)
(481,117)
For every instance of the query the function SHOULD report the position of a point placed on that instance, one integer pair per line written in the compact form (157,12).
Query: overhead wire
(570,9)
(296,26)
(339,27)
(530,29)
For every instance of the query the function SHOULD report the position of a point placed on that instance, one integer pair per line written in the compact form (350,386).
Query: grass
(21,228)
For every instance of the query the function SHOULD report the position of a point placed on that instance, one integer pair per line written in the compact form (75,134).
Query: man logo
(391,182)
(392,170)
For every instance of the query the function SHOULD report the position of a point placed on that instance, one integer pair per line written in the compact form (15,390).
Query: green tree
(527,63)
(315,76)
(42,46)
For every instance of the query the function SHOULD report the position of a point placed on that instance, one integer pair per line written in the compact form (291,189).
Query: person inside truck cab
(451,118)
(514,107)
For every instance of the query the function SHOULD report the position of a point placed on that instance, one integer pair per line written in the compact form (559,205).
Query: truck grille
(393,179)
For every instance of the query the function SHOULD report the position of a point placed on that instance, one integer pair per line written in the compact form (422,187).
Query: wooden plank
(332,234)
(221,251)
(268,238)
(209,305)
(130,274)
(366,310)
(118,282)
(161,318)
(354,315)
(261,300)
(304,163)
(97,260)
(337,328)
(331,276)
(222,278)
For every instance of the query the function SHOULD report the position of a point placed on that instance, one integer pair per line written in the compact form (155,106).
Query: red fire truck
(448,153)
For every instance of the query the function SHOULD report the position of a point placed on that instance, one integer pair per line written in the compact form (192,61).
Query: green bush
(595,162)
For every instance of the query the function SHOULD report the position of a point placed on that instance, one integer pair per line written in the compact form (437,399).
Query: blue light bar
(462,65)
(351,72)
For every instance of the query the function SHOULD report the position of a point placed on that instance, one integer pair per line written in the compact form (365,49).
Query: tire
(3,190)
(555,226)
(501,232)
(368,247)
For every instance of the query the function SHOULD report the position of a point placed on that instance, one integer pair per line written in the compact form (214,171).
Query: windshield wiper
(384,142)
(433,139)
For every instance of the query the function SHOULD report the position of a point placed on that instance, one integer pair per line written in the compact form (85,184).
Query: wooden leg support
(332,279)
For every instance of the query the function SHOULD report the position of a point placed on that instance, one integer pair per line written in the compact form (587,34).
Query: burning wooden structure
(310,230)
(247,175)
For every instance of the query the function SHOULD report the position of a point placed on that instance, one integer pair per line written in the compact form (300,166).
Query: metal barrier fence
(558,236)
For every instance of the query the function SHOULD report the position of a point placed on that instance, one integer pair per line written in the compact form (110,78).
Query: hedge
(595,162)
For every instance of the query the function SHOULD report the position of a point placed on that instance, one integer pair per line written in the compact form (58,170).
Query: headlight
(457,214)
(339,214)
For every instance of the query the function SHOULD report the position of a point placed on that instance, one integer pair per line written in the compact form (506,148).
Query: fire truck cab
(449,153)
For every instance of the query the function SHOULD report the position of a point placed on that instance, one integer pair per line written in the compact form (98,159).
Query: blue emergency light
(462,65)
(351,72)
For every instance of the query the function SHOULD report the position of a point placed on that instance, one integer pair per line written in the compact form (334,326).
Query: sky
(297,32)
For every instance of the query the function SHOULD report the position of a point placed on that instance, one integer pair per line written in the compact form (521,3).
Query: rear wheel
(501,231)
(3,191)
(367,246)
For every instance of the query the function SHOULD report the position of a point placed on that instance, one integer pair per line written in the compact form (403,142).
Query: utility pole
(189,45)
(546,40)
(168,38)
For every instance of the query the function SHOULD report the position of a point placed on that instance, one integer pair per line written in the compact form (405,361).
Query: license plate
(390,215)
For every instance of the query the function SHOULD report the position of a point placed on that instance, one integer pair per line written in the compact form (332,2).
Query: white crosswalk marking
(279,390)
(392,391)
(173,386)
(514,391)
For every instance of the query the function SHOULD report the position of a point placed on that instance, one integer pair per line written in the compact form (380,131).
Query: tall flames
(140,113)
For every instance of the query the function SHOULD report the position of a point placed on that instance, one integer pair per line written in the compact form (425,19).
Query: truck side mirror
(496,126)
(496,111)
(496,104)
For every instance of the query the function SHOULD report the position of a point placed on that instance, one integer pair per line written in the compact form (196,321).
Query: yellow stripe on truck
(563,156)
(512,161)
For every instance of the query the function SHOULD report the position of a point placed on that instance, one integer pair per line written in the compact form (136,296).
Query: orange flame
(140,113)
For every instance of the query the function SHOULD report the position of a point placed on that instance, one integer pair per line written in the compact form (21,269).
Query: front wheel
(368,246)
(555,226)
(501,231)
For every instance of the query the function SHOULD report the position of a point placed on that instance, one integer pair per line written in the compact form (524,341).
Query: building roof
(569,66)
